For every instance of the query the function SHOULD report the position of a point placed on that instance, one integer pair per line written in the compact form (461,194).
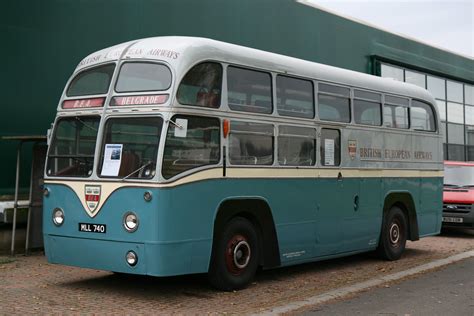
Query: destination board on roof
(154,99)
(83,103)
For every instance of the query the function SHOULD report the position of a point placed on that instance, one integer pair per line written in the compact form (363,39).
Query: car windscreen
(458,175)
(139,77)
(130,147)
(92,81)
(71,153)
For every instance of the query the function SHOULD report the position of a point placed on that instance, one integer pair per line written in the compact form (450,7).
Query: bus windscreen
(130,147)
(71,153)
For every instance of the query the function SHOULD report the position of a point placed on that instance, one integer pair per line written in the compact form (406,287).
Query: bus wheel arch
(404,201)
(258,212)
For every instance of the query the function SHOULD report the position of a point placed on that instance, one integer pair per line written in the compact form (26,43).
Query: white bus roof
(183,52)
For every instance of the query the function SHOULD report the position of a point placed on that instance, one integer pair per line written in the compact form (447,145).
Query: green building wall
(43,40)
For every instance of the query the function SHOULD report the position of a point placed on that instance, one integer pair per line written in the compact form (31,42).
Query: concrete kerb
(344,291)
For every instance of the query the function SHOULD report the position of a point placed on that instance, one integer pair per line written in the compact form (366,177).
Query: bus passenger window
(367,112)
(295,97)
(249,90)
(334,103)
(91,81)
(367,108)
(396,116)
(250,143)
(296,146)
(422,116)
(202,86)
(138,77)
(330,147)
(191,142)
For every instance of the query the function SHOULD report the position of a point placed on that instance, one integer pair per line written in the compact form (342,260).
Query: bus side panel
(428,149)
(293,206)
(192,208)
(364,216)
(426,193)
(431,206)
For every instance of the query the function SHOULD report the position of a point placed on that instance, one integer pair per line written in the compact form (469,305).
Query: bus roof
(183,52)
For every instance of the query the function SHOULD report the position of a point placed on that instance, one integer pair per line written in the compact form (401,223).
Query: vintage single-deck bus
(177,155)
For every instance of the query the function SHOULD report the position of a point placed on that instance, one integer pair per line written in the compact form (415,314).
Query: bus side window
(367,108)
(194,145)
(334,103)
(395,112)
(330,147)
(396,116)
(295,97)
(249,90)
(202,86)
(296,146)
(250,144)
(422,116)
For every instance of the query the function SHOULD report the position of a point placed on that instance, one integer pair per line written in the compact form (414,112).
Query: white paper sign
(329,152)
(112,160)
(181,131)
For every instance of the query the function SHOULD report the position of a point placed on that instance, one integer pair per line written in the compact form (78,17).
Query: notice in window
(181,128)
(329,152)
(112,160)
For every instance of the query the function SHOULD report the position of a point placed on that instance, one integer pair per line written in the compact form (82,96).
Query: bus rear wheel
(393,236)
(235,256)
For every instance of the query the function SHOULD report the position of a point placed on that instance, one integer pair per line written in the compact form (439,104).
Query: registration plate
(92,228)
(452,219)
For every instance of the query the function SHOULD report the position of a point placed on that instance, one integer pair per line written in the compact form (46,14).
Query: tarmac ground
(448,291)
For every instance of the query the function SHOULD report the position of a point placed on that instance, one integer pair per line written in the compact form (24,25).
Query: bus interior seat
(239,151)
(130,162)
(208,99)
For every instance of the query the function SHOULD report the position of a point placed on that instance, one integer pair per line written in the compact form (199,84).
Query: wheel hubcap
(394,234)
(238,254)
(242,254)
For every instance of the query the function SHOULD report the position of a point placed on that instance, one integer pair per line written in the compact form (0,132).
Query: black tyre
(393,237)
(235,256)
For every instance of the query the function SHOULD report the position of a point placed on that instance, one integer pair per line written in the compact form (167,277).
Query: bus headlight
(131,258)
(58,216)
(130,222)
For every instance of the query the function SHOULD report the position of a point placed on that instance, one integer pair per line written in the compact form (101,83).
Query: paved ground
(29,285)
(449,291)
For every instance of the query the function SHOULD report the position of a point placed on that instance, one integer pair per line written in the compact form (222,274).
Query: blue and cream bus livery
(178,155)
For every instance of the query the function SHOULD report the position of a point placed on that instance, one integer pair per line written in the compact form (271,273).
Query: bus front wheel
(235,256)
(393,236)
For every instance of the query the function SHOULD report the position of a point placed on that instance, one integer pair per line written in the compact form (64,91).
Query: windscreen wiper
(139,169)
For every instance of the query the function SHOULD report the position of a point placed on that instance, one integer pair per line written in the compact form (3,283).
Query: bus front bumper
(156,259)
